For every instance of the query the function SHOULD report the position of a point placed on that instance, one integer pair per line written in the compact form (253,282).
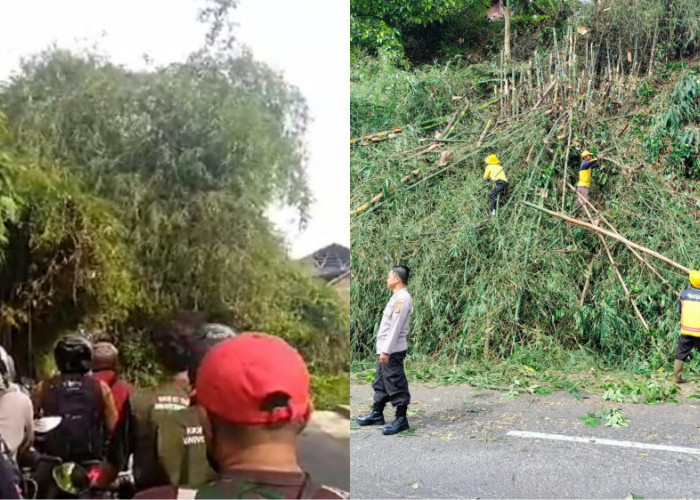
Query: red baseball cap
(254,379)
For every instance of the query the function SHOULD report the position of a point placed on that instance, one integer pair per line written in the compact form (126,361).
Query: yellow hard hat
(695,278)
(492,160)
(586,153)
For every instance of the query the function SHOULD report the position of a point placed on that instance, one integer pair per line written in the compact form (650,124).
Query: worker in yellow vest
(584,176)
(494,171)
(690,325)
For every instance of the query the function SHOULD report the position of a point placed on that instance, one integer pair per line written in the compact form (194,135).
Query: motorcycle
(47,476)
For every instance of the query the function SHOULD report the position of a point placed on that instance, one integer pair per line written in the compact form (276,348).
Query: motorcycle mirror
(71,478)
(46,424)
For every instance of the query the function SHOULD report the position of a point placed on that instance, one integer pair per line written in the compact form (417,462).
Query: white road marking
(608,442)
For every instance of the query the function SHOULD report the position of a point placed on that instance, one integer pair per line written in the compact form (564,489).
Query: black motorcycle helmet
(73,354)
(205,337)
(183,342)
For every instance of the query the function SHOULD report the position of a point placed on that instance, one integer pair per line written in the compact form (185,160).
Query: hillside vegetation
(128,196)
(526,286)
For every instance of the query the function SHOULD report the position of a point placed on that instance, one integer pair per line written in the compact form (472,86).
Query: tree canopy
(132,194)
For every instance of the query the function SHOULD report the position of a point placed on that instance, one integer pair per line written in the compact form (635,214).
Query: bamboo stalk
(538,73)
(514,99)
(589,271)
(424,146)
(653,49)
(527,257)
(566,160)
(453,120)
(612,228)
(544,95)
(483,133)
(378,135)
(529,154)
(610,235)
(617,272)
(431,147)
(500,73)
(575,250)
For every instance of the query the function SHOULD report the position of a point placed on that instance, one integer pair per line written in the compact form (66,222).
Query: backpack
(77,399)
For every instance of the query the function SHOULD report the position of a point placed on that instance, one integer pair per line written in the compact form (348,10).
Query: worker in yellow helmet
(584,176)
(689,307)
(494,171)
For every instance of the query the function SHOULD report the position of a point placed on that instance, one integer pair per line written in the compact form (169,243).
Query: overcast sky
(308,40)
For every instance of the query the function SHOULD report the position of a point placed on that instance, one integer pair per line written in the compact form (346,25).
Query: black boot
(374,418)
(399,424)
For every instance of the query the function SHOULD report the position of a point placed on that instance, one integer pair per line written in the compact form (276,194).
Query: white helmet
(7,367)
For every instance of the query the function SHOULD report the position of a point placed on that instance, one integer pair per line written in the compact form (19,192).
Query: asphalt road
(324,452)
(460,448)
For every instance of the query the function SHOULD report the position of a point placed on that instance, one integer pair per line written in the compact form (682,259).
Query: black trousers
(390,383)
(685,346)
(500,189)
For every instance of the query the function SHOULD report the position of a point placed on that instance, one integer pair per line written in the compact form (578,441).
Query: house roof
(329,262)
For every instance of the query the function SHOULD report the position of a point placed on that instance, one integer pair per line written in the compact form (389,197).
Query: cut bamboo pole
(453,120)
(634,252)
(545,93)
(617,272)
(433,146)
(376,137)
(529,154)
(483,133)
(610,235)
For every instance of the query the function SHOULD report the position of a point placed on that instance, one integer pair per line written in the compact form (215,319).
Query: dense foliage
(514,287)
(423,30)
(130,195)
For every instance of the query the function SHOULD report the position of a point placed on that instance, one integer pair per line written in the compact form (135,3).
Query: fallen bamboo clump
(609,235)
(618,273)
(634,252)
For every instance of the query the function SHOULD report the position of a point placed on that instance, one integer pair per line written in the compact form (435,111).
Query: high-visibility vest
(690,312)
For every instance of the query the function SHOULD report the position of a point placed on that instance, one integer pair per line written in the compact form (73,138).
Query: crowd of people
(224,423)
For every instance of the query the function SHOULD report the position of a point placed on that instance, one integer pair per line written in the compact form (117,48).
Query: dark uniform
(163,432)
